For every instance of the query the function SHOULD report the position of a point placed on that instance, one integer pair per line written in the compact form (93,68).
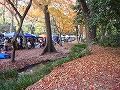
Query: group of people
(6,44)
(36,43)
(31,43)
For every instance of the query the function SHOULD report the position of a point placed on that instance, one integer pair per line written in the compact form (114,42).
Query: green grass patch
(78,51)
(8,74)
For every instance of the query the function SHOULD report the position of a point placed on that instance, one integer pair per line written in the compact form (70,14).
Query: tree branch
(9,1)
(27,8)
(7,7)
(84,7)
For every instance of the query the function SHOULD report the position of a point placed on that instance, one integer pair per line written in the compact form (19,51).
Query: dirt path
(99,71)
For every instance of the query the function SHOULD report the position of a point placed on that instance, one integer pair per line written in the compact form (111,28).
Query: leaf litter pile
(98,71)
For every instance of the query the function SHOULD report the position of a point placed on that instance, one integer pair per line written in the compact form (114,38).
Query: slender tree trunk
(103,33)
(13,51)
(60,39)
(76,27)
(77,34)
(24,39)
(20,26)
(12,22)
(58,29)
(81,33)
(49,45)
(4,15)
(14,42)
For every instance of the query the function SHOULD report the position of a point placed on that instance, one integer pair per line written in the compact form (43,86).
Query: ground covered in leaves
(33,56)
(98,71)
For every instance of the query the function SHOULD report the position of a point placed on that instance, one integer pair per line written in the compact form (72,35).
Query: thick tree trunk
(90,34)
(93,32)
(49,45)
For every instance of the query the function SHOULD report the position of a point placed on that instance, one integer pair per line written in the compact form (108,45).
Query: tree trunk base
(49,50)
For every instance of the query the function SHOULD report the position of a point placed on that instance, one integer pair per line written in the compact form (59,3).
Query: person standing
(21,43)
(6,44)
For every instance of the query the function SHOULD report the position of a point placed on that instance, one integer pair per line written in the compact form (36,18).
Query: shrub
(76,51)
(112,40)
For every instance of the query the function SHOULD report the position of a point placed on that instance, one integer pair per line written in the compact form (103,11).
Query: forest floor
(98,71)
(29,57)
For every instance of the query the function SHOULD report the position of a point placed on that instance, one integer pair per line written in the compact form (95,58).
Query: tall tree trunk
(60,39)
(49,45)
(76,28)
(59,31)
(12,22)
(24,39)
(4,15)
(13,51)
(20,25)
(77,34)
(14,41)
(81,33)
(90,34)
(103,31)
(93,32)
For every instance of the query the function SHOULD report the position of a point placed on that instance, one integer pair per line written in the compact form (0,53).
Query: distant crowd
(31,42)
(6,44)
